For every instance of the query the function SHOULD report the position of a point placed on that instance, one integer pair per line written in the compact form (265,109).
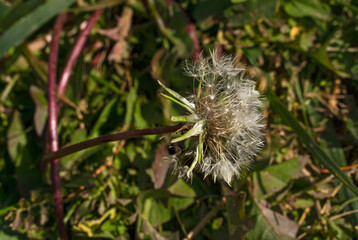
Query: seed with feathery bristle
(225,120)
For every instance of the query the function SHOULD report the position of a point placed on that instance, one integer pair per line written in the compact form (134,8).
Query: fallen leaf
(160,166)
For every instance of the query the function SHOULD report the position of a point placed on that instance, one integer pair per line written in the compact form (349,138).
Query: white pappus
(224,119)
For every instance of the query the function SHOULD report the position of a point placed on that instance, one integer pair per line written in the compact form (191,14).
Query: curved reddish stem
(77,48)
(52,123)
(53,104)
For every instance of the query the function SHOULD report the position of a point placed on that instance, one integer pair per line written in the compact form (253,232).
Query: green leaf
(139,121)
(250,11)
(310,143)
(287,170)
(39,66)
(28,24)
(252,54)
(41,113)
(307,8)
(130,103)
(17,11)
(5,211)
(27,176)
(322,58)
(156,206)
(16,138)
(8,234)
(102,119)
(4,9)
(340,231)
(352,118)
(206,8)
(330,144)
(182,189)
(169,33)
(80,135)
(94,75)
(304,202)
(346,4)
(274,178)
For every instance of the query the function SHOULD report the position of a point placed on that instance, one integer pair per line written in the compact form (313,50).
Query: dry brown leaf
(282,224)
(124,25)
(160,166)
(333,99)
(17,221)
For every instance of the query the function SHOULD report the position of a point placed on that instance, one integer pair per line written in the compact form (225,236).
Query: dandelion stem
(108,138)
(76,51)
(52,123)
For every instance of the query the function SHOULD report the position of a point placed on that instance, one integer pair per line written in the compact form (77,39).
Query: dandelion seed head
(230,109)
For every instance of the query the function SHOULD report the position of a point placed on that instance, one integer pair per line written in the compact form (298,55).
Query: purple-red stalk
(54,107)
(76,51)
(52,123)
(109,138)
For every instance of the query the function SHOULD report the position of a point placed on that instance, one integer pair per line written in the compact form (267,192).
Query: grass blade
(311,144)
(331,145)
(30,23)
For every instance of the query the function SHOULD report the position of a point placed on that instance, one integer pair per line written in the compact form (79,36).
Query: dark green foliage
(303,55)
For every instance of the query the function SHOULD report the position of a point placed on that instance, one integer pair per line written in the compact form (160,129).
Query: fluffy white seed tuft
(230,108)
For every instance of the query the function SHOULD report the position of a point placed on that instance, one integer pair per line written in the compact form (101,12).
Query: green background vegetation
(304,57)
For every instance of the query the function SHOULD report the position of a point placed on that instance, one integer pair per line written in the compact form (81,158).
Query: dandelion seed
(224,122)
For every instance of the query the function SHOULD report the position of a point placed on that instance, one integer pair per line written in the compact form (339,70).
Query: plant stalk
(50,157)
(76,51)
(54,107)
(52,124)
